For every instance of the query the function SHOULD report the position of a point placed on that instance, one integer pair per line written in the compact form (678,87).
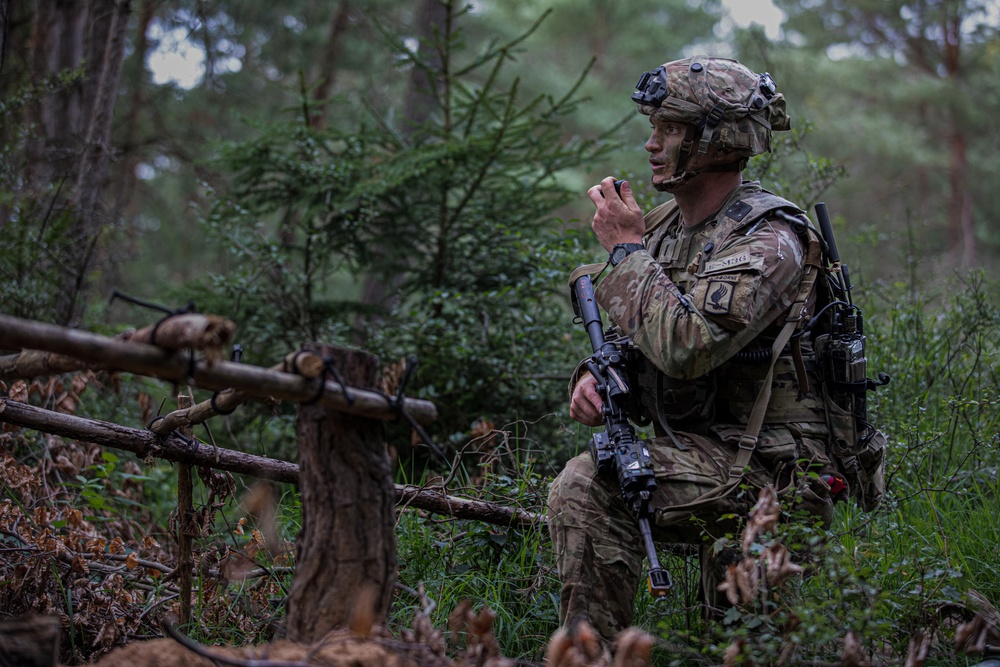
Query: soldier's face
(664,147)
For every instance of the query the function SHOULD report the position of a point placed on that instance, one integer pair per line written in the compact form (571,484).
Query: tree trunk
(328,64)
(109,22)
(57,36)
(421,101)
(346,551)
(961,231)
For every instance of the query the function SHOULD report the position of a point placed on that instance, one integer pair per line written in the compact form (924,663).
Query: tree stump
(346,549)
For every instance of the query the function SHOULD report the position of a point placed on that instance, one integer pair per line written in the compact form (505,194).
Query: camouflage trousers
(597,545)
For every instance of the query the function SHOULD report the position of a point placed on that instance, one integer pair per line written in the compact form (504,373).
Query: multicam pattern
(691,301)
(597,546)
(687,335)
(695,91)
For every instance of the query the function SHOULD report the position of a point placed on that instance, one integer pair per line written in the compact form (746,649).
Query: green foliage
(792,170)
(29,245)
(446,214)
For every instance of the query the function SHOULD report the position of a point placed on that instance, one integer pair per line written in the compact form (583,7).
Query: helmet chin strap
(679,178)
(682,175)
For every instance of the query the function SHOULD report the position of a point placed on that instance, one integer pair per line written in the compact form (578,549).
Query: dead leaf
(741,581)
(731,658)
(80,564)
(779,564)
(916,654)
(458,618)
(80,381)
(482,623)
(763,517)
(971,637)
(18,391)
(586,640)
(363,613)
(481,428)
(556,650)
(66,404)
(633,648)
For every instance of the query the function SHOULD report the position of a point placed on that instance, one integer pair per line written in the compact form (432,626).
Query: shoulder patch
(738,210)
(719,297)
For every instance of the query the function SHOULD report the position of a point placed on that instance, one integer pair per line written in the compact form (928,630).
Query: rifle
(617,450)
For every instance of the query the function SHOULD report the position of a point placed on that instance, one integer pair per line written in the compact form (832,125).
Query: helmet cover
(729,106)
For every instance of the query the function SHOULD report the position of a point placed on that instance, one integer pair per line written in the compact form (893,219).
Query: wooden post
(185,509)
(346,550)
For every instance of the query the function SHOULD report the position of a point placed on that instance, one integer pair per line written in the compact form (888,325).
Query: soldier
(704,286)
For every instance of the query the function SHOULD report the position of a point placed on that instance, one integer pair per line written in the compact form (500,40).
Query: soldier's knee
(573,484)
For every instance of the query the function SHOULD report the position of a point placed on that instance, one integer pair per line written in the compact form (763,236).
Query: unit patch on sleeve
(718,297)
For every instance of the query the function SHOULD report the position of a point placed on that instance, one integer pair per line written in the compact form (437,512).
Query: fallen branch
(175,448)
(180,367)
(221,404)
(304,362)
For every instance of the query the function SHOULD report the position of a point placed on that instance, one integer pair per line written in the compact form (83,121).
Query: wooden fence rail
(181,367)
(172,447)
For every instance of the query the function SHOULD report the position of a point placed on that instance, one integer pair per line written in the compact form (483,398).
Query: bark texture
(346,550)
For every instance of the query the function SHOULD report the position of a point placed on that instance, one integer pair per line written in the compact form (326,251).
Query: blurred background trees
(410,178)
(900,93)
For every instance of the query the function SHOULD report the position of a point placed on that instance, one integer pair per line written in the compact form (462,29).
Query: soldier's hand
(617,219)
(585,404)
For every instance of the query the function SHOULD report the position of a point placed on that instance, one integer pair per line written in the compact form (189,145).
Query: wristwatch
(623,250)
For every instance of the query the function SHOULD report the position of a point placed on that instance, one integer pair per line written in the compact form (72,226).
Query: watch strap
(623,250)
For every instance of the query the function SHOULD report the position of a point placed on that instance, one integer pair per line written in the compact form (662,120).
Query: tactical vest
(728,393)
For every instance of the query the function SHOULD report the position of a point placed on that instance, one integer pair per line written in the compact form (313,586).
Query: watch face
(618,255)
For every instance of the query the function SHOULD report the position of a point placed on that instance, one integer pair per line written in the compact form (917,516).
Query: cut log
(346,549)
(304,362)
(188,331)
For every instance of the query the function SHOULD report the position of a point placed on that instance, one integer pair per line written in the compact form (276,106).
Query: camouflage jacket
(698,295)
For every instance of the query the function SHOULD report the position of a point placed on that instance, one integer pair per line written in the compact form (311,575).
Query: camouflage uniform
(694,298)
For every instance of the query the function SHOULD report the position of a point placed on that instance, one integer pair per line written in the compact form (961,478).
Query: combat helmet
(724,103)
